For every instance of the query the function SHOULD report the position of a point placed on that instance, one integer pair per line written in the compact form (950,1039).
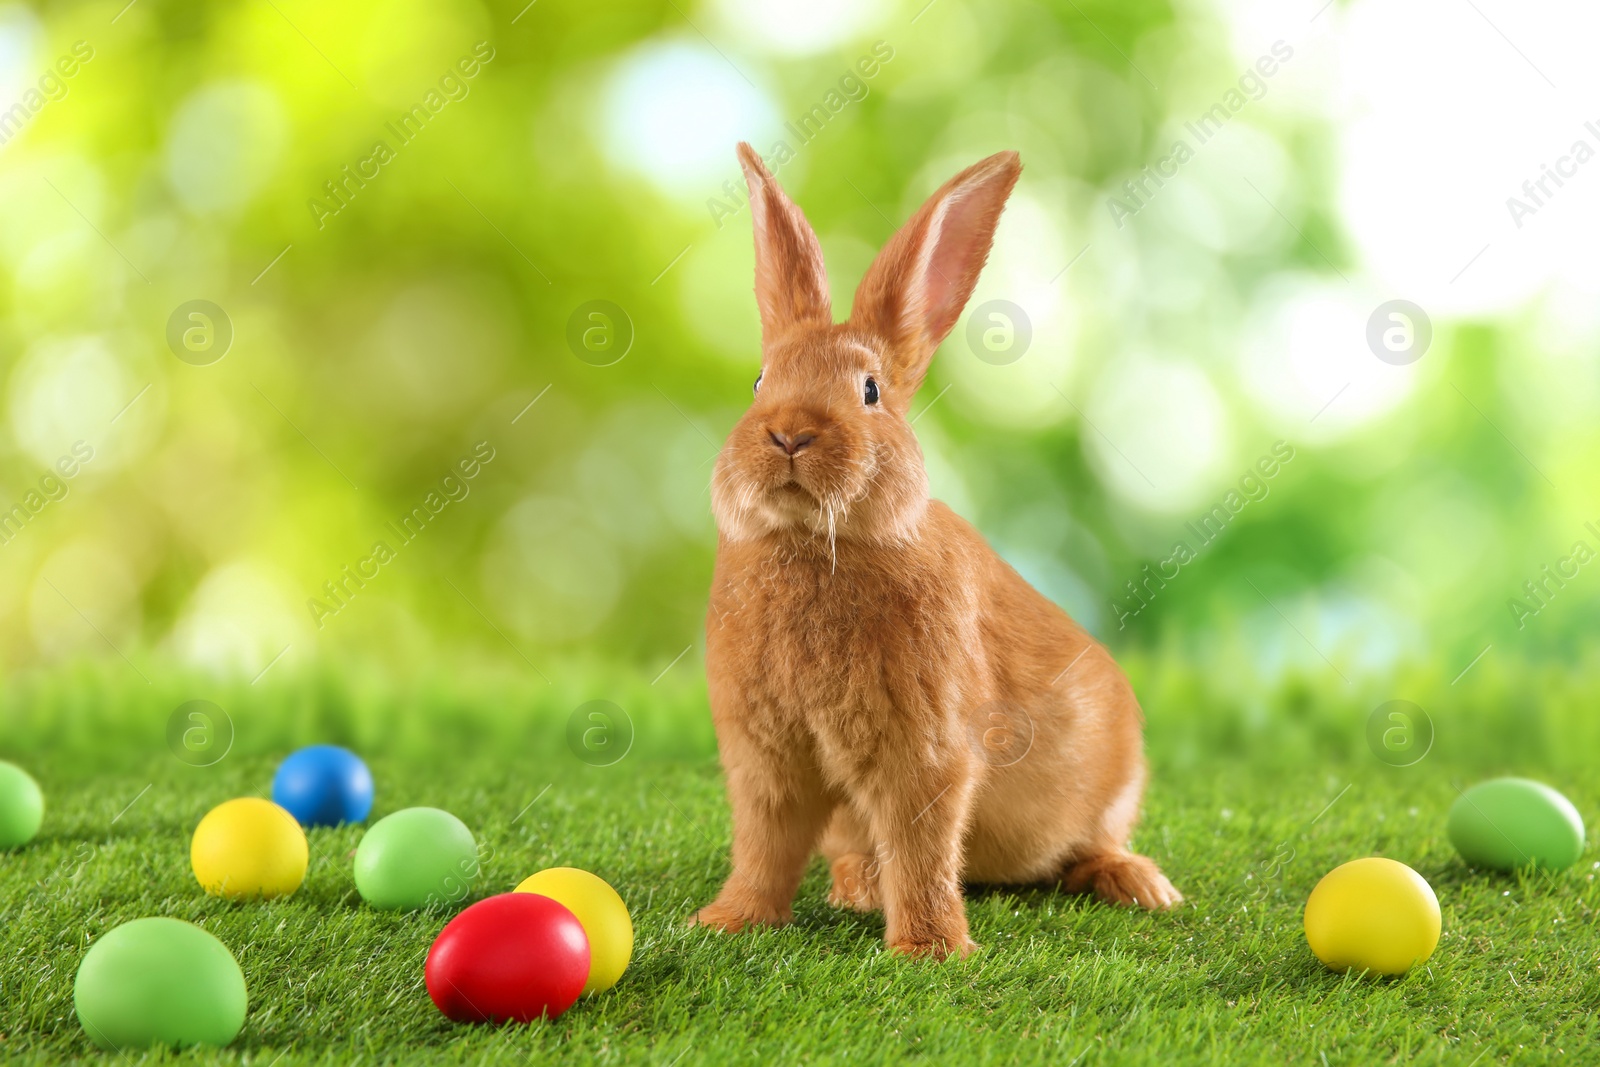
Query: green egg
(21,806)
(416,858)
(159,982)
(1511,823)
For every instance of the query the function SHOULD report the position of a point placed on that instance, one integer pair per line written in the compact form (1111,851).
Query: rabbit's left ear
(791,285)
(914,291)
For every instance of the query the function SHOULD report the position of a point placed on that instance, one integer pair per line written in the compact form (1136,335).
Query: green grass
(1227,978)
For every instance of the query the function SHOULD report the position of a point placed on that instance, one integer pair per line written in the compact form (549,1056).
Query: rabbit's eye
(872,391)
(756,388)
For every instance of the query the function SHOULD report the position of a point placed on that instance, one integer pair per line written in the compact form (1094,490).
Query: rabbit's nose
(791,443)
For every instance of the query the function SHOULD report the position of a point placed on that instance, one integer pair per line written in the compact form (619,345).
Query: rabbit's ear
(914,291)
(791,285)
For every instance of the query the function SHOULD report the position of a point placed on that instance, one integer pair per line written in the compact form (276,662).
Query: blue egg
(323,785)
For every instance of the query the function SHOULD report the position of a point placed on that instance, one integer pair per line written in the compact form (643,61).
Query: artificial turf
(1225,978)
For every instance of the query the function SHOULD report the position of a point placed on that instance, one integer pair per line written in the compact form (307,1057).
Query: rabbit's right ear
(791,285)
(914,291)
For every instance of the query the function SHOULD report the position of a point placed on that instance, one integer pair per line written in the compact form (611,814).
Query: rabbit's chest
(848,657)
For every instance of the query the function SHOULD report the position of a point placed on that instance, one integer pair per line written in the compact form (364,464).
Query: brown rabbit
(884,687)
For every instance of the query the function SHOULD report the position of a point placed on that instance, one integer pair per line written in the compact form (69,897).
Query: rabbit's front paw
(939,949)
(732,918)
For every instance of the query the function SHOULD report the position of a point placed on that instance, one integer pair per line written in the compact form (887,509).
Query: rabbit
(885,688)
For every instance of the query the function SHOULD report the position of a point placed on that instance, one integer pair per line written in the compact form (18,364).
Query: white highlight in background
(1156,433)
(673,112)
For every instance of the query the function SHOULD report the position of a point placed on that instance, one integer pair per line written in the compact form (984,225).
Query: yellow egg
(248,848)
(1372,914)
(601,912)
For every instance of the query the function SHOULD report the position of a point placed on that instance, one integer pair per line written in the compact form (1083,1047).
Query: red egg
(513,956)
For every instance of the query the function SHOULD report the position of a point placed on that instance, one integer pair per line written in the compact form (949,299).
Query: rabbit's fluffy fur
(885,688)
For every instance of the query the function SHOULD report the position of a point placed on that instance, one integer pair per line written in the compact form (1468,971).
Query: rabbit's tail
(1118,876)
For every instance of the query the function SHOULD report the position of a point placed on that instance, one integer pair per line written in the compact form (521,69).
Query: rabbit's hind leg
(1106,867)
(1118,876)
(852,862)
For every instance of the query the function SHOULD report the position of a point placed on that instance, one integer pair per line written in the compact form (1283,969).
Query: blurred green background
(400,299)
